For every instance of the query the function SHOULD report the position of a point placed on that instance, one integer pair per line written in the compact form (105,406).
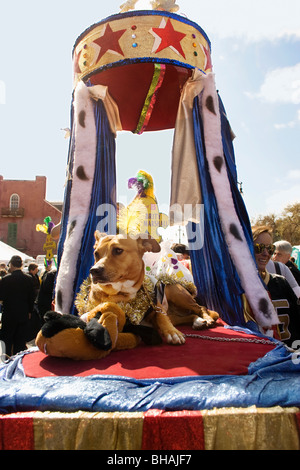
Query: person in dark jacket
(283,253)
(17,294)
(283,298)
(45,296)
(33,272)
(35,322)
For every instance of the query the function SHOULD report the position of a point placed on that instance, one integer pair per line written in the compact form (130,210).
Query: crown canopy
(144,57)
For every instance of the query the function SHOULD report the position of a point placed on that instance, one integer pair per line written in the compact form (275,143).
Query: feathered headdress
(46,227)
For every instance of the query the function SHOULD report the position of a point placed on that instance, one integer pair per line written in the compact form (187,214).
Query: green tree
(285,226)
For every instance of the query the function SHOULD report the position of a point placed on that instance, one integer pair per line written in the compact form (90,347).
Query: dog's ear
(148,244)
(98,235)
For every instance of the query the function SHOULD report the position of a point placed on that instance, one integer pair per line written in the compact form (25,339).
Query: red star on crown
(77,69)
(109,41)
(169,38)
(208,64)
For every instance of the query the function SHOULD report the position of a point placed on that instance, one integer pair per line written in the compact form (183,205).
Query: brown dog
(118,274)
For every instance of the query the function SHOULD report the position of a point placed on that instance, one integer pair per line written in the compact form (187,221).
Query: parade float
(231,387)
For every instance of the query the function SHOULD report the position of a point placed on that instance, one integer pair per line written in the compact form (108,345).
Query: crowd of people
(26,297)
(281,278)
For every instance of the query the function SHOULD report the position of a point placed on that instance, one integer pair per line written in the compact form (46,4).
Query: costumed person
(144,205)
(282,295)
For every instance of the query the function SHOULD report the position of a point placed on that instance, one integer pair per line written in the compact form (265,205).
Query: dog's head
(119,265)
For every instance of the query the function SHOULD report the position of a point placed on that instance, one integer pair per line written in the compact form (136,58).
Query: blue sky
(256,59)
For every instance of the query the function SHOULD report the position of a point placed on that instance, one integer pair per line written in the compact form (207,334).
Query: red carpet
(197,356)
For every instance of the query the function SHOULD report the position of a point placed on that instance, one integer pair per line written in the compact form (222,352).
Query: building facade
(23,205)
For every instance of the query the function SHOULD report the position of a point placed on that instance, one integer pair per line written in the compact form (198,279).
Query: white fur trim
(80,197)
(257,296)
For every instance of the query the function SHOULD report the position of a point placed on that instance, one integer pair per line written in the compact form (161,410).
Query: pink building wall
(18,226)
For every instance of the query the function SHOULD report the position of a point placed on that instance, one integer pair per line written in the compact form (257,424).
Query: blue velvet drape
(215,276)
(102,212)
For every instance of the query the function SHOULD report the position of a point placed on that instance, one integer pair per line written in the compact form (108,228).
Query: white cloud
(287,192)
(290,124)
(277,200)
(2,92)
(254,21)
(293,175)
(281,85)
(287,125)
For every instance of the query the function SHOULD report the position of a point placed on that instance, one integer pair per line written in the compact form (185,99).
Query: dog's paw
(175,337)
(199,324)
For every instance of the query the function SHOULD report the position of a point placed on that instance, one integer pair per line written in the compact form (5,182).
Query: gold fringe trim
(136,308)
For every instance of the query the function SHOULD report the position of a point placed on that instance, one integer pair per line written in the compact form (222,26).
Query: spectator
(283,253)
(17,294)
(45,296)
(33,272)
(35,323)
(183,254)
(3,270)
(275,267)
(281,293)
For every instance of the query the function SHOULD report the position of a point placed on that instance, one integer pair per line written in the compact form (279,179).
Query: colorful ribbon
(157,80)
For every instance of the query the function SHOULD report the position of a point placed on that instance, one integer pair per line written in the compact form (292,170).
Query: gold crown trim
(156,38)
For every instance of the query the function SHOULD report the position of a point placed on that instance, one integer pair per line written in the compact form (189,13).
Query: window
(12,235)
(14,202)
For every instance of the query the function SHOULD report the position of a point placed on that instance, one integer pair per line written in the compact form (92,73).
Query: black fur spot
(59,299)
(235,232)
(55,322)
(263,307)
(98,335)
(218,162)
(81,118)
(81,173)
(147,334)
(210,104)
(72,226)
